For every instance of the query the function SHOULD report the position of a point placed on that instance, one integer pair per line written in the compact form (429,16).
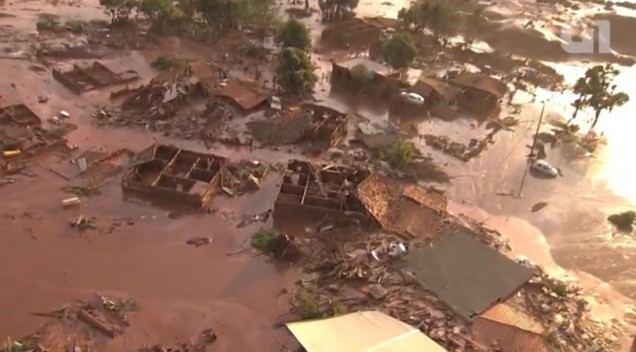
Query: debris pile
(286,129)
(455,149)
(152,106)
(161,97)
(275,244)
(243,176)
(562,309)
(379,284)
(198,344)
(73,326)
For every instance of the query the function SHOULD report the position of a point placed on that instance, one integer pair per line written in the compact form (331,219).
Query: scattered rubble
(199,241)
(275,244)
(73,326)
(286,129)
(329,290)
(22,135)
(455,149)
(243,176)
(198,344)
(562,308)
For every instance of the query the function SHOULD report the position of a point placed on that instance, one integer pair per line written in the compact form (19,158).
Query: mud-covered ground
(139,251)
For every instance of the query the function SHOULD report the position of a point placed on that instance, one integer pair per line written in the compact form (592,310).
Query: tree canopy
(335,10)
(441,18)
(294,33)
(296,72)
(360,72)
(400,50)
(597,91)
(119,10)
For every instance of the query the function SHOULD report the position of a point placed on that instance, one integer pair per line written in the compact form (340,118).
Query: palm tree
(596,91)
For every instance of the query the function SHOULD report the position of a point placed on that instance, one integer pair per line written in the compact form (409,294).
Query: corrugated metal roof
(505,314)
(466,274)
(506,337)
(362,332)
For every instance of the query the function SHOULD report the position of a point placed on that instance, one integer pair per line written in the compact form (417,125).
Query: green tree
(295,34)
(415,18)
(400,155)
(157,11)
(227,14)
(296,72)
(119,10)
(472,23)
(360,72)
(597,91)
(444,21)
(335,10)
(400,50)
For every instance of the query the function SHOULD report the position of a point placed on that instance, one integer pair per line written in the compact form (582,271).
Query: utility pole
(534,143)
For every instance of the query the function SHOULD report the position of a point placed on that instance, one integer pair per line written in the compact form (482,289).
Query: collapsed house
(163,95)
(96,76)
(356,32)
(466,274)
(379,83)
(329,126)
(312,192)
(404,209)
(165,172)
(480,94)
(21,131)
(440,97)
(321,125)
(242,93)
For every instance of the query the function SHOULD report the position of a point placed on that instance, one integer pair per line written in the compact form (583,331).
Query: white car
(413,98)
(545,168)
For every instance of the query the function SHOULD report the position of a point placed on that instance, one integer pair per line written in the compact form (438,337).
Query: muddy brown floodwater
(136,250)
(183,290)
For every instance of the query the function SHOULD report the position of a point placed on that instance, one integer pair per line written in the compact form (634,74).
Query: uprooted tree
(119,10)
(596,91)
(294,33)
(295,72)
(400,50)
(336,10)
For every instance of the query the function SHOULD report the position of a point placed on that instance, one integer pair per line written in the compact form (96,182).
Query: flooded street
(139,250)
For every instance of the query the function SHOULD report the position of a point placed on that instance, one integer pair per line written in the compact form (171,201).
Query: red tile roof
(503,313)
(507,338)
